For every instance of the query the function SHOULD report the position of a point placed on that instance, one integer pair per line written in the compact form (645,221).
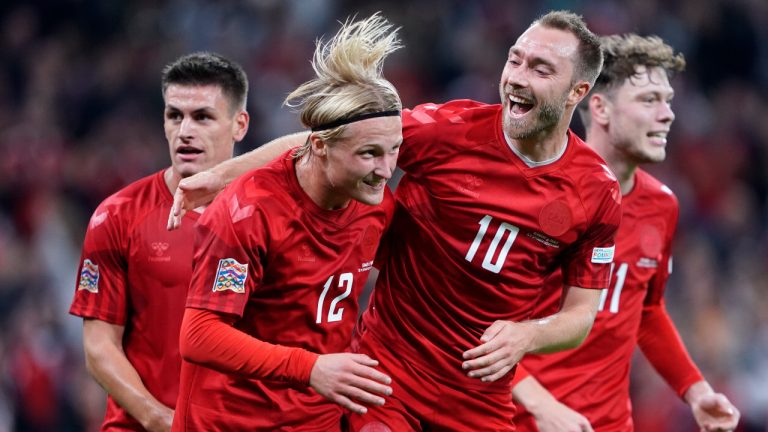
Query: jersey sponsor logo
(159,249)
(541,238)
(647,262)
(305,254)
(89,277)
(603,255)
(555,218)
(231,276)
(365,266)
(470,183)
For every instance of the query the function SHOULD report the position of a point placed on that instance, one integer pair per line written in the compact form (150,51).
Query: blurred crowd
(81,116)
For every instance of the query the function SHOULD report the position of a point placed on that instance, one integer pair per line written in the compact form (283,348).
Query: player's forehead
(378,131)
(649,79)
(185,95)
(547,43)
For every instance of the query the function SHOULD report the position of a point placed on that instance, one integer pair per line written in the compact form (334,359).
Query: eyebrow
(205,109)
(532,59)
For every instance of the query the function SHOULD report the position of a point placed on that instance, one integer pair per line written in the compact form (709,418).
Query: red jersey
(292,272)
(476,231)
(593,379)
(135,273)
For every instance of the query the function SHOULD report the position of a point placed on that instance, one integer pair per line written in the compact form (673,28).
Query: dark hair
(590,57)
(206,68)
(623,54)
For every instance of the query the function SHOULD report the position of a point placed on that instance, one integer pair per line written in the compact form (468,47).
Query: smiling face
(536,81)
(640,115)
(358,164)
(201,127)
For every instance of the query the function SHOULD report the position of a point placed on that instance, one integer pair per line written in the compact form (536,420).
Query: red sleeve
(103,273)
(521,373)
(661,343)
(208,338)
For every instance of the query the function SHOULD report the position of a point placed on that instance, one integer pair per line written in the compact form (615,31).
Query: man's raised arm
(201,188)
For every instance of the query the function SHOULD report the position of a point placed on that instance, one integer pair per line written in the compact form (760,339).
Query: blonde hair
(349,80)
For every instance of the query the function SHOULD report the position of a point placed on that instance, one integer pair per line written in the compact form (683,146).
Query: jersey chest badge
(230,275)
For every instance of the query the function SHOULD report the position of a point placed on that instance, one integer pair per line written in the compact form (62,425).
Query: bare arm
(549,413)
(505,342)
(712,411)
(107,363)
(201,188)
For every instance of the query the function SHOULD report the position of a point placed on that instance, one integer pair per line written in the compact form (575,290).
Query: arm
(549,413)
(208,338)
(662,345)
(107,363)
(504,343)
(201,188)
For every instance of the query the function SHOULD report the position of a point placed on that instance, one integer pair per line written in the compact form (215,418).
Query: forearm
(567,328)
(210,340)
(662,346)
(233,168)
(109,366)
(532,395)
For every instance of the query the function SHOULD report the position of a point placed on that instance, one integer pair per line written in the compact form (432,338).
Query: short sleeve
(230,245)
(102,276)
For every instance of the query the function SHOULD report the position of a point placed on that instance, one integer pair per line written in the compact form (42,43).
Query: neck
(617,162)
(312,179)
(172,179)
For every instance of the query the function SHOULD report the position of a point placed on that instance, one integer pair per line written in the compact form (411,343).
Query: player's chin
(369,195)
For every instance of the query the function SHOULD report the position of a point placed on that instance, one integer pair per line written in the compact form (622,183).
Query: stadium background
(81,116)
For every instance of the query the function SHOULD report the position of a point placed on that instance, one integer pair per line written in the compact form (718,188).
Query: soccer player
(494,199)
(282,255)
(628,116)
(134,274)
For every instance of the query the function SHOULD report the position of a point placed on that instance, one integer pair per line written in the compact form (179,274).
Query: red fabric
(135,273)
(661,344)
(208,338)
(290,273)
(521,373)
(476,230)
(594,378)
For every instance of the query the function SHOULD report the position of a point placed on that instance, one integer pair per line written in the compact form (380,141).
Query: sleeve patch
(603,255)
(230,275)
(89,277)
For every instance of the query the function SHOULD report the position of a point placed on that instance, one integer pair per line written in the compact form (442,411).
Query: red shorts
(422,401)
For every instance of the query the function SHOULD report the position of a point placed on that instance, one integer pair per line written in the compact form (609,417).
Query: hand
(504,344)
(346,377)
(714,412)
(193,192)
(159,420)
(557,417)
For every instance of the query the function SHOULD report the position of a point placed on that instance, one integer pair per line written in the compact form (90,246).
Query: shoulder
(129,203)
(653,189)
(453,112)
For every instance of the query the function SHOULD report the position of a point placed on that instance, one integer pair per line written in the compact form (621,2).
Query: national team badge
(230,275)
(89,277)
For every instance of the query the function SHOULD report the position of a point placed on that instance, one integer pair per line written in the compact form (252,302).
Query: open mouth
(659,138)
(519,106)
(375,184)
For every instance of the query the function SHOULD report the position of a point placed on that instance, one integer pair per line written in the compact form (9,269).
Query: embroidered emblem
(305,254)
(89,277)
(230,275)
(555,218)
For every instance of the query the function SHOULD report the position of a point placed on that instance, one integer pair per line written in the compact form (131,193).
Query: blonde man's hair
(349,79)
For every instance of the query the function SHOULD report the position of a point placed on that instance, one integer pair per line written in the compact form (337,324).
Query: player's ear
(578,92)
(240,125)
(599,108)
(319,146)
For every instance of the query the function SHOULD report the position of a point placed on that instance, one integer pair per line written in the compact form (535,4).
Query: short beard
(548,117)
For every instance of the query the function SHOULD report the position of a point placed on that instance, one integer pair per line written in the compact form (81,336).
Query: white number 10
(334,315)
(504,228)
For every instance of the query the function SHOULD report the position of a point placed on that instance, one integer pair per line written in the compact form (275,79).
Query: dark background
(81,116)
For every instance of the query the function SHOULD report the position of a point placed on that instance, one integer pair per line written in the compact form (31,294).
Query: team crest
(89,277)
(230,275)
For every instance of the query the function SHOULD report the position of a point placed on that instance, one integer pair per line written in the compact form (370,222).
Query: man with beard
(494,199)
(628,116)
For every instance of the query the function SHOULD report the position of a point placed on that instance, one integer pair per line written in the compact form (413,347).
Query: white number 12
(334,315)
(504,228)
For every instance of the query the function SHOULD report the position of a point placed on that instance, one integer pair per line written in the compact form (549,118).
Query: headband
(341,122)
